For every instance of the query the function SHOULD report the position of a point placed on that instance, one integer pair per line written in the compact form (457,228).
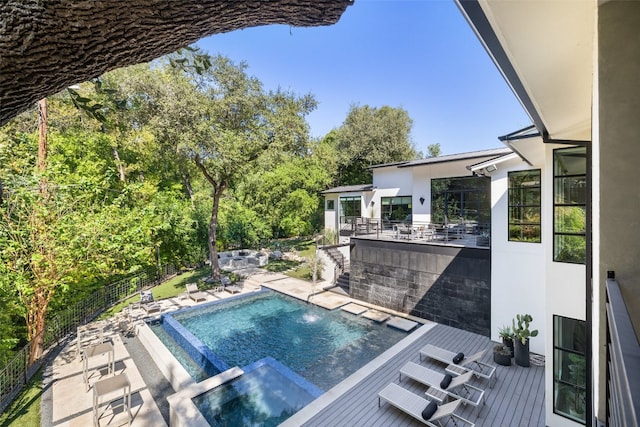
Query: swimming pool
(322,346)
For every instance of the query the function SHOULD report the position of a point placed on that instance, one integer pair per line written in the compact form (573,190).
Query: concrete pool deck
(72,402)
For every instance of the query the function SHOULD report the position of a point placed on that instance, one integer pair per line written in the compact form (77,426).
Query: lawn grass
(304,248)
(25,410)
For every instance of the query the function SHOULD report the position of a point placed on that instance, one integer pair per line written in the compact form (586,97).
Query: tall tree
(434,150)
(371,136)
(287,194)
(224,122)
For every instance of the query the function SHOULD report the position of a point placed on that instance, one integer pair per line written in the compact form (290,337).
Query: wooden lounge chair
(152,307)
(468,363)
(194,293)
(148,302)
(228,286)
(458,388)
(413,405)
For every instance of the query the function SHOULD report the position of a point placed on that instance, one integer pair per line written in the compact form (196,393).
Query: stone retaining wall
(446,284)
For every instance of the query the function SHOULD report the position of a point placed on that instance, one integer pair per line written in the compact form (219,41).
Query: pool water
(199,371)
(322,346)
(246,401)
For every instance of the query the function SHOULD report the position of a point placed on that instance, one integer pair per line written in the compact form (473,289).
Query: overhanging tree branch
(46,46)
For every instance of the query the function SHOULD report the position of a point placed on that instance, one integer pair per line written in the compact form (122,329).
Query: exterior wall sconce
(422,200)
(372,203)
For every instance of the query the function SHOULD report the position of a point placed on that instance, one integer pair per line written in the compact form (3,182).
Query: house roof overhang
(492,164)
(545,51)
(349,189)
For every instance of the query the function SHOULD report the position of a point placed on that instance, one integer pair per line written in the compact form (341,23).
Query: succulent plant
(521,329)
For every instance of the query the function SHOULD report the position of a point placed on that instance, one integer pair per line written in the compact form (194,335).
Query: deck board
(516,399)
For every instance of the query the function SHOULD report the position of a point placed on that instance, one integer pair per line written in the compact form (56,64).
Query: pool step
(354,308)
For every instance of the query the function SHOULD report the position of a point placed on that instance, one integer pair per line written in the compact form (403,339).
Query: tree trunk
(42,135)
(36,316)
(187,185)
(116,156)
(213,226)
(50,45)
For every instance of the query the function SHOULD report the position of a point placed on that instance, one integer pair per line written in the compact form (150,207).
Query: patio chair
(414,405)
(227,286)
(125,322)
(194,294)
(468,363)
(458,387)
(148,303)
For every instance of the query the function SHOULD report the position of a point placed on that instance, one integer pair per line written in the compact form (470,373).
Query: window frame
(404,201)
(510,206)
(562,384)
(331,205)
(351,200)
(561,206)
(459,194)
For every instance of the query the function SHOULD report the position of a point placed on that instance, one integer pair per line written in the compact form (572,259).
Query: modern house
(563,209)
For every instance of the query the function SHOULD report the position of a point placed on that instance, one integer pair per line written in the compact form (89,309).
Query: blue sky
(418,55)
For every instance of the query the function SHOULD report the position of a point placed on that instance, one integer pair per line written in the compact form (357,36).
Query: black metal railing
(338,259)
(355,225)
(623,360)
(17,372)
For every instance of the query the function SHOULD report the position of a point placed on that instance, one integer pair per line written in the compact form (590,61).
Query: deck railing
(17,372)
(355,225)
(623,360)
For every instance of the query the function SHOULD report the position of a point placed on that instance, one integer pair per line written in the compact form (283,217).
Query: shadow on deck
(516,399)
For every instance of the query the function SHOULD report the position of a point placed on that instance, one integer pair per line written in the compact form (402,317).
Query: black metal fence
(623,361)
(17,372)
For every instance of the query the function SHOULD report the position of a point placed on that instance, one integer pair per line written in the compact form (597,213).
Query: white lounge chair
(413,405)
(458,388)
(468,363)
(194,293)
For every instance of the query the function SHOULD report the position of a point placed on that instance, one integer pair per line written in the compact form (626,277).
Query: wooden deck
(516,399)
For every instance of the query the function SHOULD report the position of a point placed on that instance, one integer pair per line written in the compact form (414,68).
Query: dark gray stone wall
(445,284)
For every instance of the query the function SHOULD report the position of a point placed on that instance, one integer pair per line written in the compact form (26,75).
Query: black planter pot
(521,352)
(502,359)
(508,343)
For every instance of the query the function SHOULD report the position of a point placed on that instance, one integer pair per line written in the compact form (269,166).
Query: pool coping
(170,367)
(185,413)
(193,345)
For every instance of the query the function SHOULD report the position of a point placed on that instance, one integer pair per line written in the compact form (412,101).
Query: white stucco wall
(415,181)
(393,177)
(331,216)
(517,268)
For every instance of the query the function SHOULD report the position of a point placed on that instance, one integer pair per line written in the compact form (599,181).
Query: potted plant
(502,355)
(506,333)
(522,333)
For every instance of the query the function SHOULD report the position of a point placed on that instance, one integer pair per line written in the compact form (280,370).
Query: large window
(395,208)
(569,368)
(350,207)
(569,205)
(524,206)
(464,199)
